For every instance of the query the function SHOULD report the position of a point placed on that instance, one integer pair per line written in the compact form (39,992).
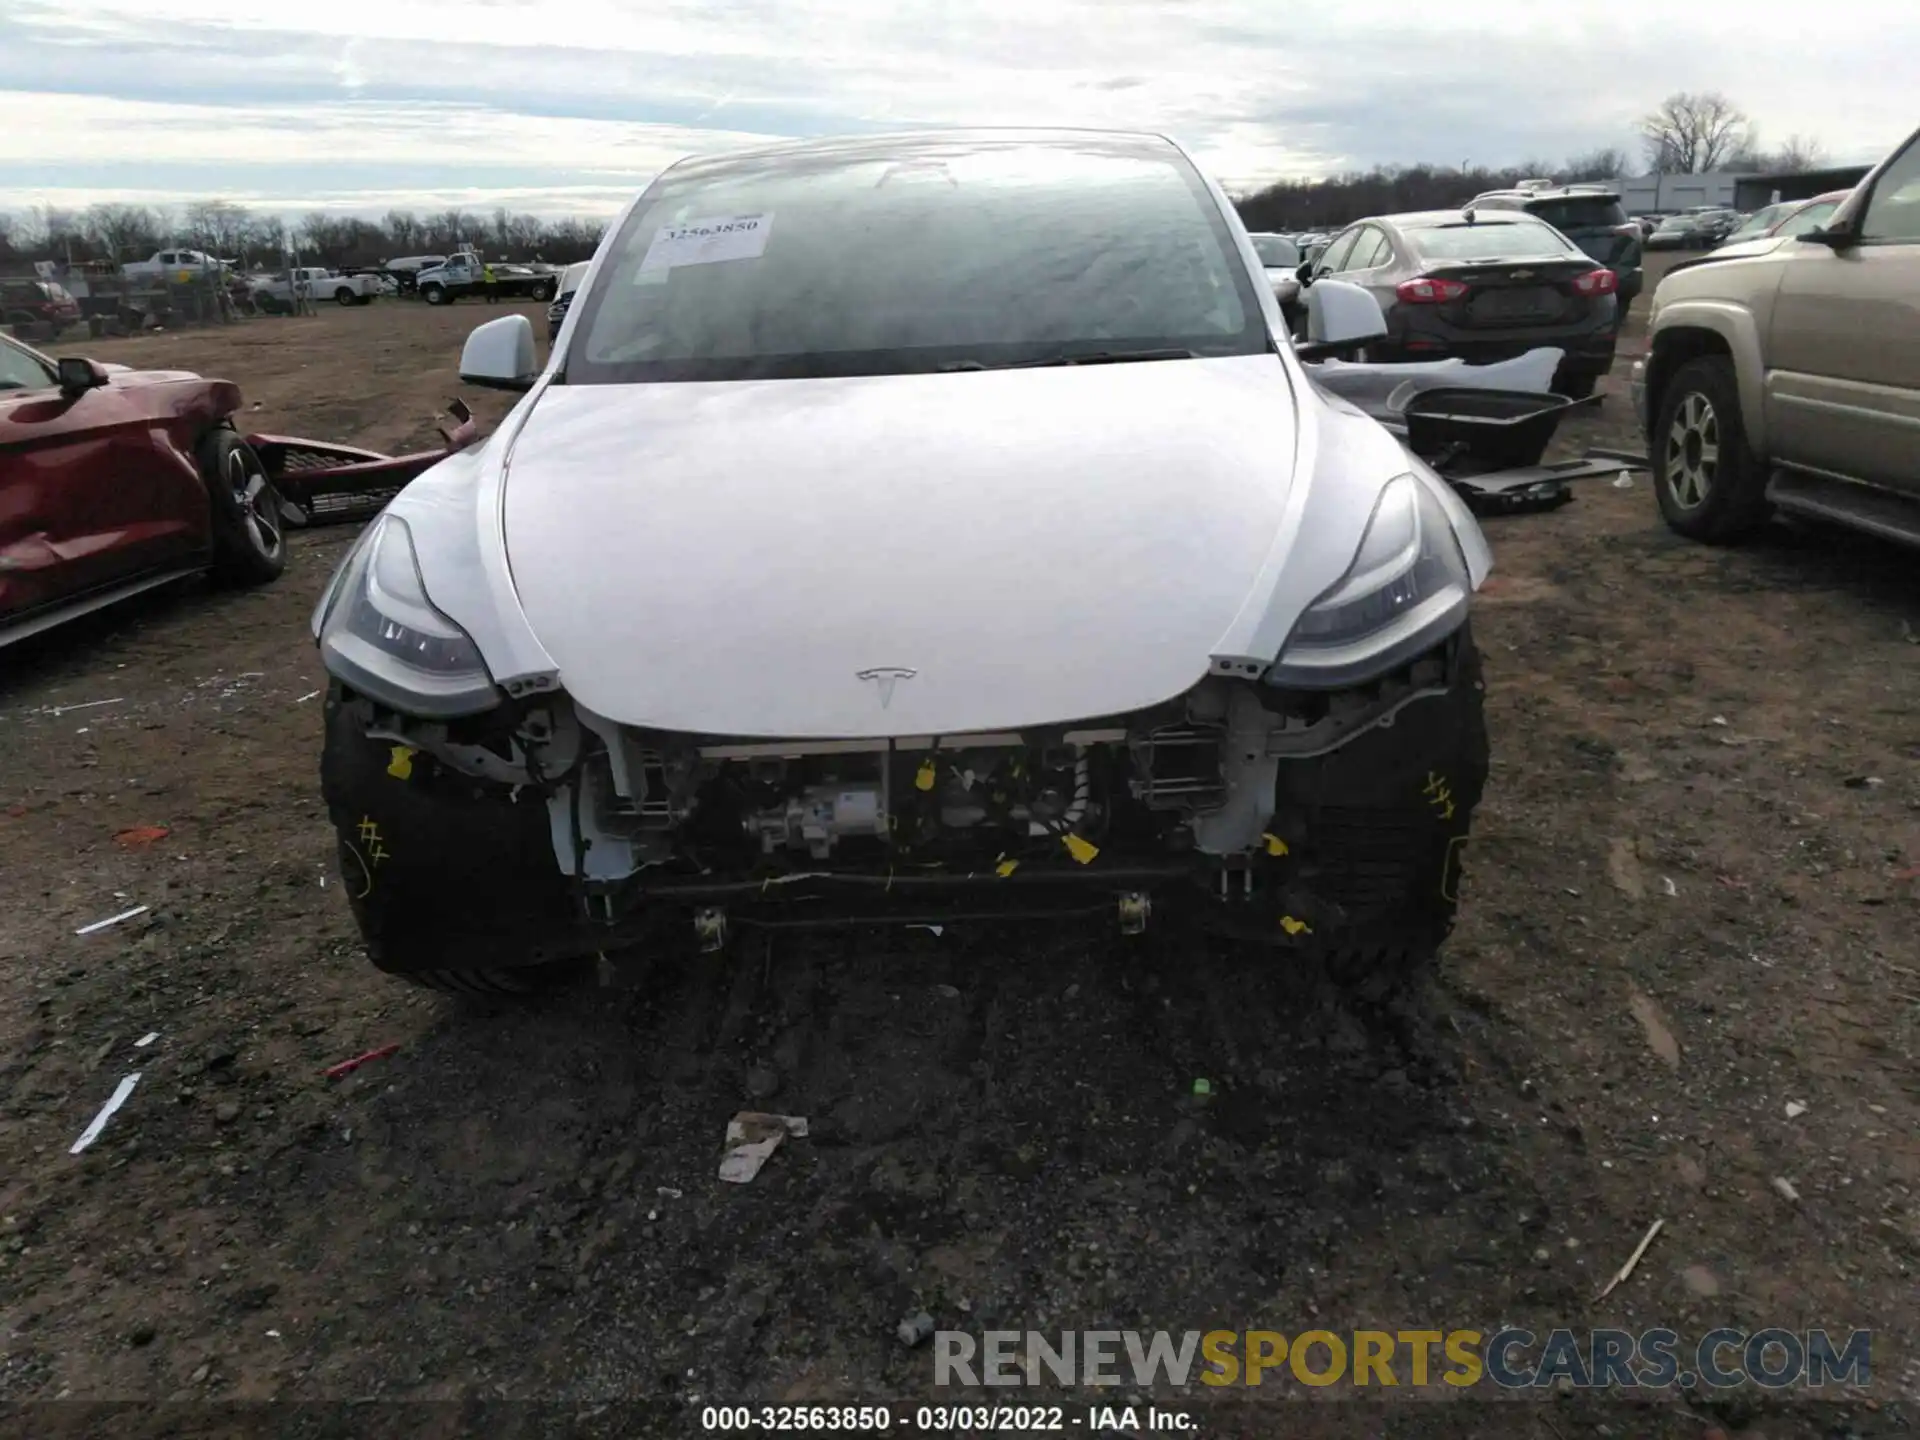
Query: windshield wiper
(1100,357)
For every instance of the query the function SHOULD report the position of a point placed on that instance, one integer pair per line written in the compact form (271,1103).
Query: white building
(1669,193)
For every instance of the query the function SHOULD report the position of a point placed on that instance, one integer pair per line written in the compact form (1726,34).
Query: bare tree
(450,229)
(270,239)
(1694,133)
(218,227)
(229,230)
(1609,162)
(403,231)
(1798,154)
(125,232)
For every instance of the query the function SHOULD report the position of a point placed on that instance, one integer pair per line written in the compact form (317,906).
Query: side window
(1371,252)
(1893,211)
(1336,257)
(20,371)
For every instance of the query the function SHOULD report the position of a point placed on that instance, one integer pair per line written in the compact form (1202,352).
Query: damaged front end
(538,830)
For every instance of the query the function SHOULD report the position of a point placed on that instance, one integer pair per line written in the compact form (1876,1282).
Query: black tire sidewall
(1736,503)
(236,561)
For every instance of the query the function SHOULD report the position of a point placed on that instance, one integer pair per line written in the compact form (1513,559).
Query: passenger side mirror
(499,355)
(79,375)
(1340,313)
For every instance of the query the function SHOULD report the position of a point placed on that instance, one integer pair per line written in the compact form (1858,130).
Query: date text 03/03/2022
(949,1419)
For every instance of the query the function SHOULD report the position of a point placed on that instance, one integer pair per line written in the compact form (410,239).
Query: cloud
(295,106)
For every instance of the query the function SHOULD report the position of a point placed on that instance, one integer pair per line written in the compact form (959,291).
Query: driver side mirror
(79,375)
(499,355)
(1832,239)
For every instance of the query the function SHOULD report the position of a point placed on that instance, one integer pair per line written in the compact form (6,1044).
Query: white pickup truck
(315,282)
(179,265)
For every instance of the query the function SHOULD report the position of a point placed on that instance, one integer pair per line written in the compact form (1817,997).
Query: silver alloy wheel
(1693,452)
(259,507)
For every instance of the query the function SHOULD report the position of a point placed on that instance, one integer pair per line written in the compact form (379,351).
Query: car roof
(905,143)
(1579,190)
(1415,219)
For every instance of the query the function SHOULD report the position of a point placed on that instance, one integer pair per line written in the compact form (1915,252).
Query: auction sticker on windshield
(705,242)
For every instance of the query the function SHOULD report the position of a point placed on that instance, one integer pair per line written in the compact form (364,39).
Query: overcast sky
(364,104)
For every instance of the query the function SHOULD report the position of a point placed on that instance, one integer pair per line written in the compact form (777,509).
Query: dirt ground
(1701,838)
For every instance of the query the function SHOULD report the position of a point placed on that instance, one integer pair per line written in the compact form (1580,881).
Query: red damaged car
(114,481)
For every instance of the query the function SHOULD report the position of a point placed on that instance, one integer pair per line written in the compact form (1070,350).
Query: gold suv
(1783,374)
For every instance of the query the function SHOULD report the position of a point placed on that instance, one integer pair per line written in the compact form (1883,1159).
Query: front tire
(343,297)
(248,532)
(249,539)
(1707,482)
(434,294)
(543,292)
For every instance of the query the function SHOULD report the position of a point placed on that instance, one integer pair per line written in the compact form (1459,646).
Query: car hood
(1740,250)
(127,375)
(897,555)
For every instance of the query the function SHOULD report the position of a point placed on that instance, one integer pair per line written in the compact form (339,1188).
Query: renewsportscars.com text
(1511,1359)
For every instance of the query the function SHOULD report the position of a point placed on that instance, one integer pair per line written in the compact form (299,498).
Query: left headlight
(1407,589)
(382,636)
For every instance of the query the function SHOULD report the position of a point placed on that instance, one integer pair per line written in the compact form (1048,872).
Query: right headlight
(383,637)
(1407,589)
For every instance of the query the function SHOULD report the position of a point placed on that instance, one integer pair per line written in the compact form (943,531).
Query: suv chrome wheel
(1693,451)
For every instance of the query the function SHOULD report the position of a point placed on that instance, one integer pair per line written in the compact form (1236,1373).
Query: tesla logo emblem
(886,677)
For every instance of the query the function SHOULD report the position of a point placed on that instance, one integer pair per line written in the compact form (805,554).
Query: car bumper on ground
(445,871)
(1584,354)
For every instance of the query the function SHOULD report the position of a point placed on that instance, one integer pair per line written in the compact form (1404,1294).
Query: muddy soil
(1692,904)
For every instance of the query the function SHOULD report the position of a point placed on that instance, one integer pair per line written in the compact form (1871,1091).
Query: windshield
(892,257)
(1759,222)
(1570,214)
(1276,252)
(1488,240)
(1806,221)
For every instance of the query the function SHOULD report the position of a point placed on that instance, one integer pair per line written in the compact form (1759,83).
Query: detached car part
(324,483)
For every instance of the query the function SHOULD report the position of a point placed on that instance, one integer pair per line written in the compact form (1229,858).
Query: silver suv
(1784,373)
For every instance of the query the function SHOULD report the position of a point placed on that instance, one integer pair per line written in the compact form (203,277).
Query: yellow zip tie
(924,777)
(1275,845)
(401,766)
(1006,867)
(1295,927)
(1081,850)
